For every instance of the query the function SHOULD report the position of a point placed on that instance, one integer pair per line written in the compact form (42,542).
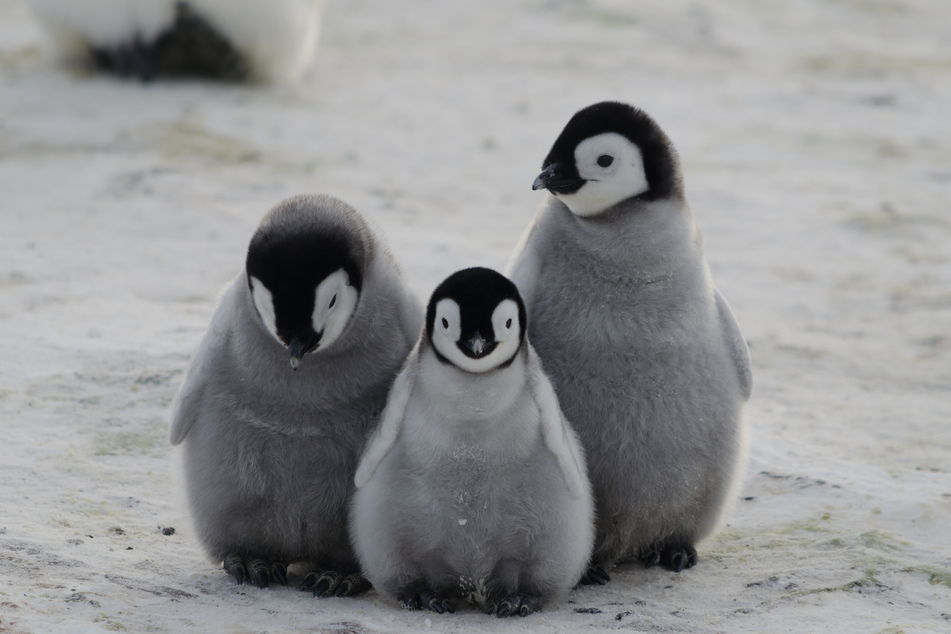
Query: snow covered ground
(816,142)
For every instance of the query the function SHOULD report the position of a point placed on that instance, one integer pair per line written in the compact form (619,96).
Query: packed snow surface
(816,143)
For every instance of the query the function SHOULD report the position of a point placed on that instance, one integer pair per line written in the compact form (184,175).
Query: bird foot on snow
(517,603)
(594,575)
(674,557)
(420,597)
(256,570)
(333,583)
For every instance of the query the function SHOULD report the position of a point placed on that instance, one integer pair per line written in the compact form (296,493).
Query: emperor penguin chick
(643,351)
(284,389)
(473,487)
(268,40)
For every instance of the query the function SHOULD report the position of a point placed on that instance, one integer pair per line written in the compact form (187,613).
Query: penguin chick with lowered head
(289,380)
(473,486)
(643,351)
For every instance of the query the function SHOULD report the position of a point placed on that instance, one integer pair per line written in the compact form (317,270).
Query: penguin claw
(595,575)
(419,597)
(692,557)
(321,581)
(258,570)
(352,585)
(520,604)
(674,557)
(679,557)
(234,566)
(333,583)
(279,572)
(435,602)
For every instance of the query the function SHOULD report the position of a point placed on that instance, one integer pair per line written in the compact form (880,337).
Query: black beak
(477,347)
(556,179)
(298,349)
(297,352)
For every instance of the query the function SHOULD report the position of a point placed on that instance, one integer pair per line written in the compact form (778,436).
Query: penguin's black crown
(477,291)
(661,164)
(293,250)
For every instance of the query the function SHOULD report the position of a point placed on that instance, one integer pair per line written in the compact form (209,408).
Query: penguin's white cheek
(606,186)
(264,303)
(505,322)
(506,325)
(333,310)
(447,328)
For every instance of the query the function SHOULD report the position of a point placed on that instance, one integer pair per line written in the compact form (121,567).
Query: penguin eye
(333,301)
(445,323)
(605,160)
(508,324)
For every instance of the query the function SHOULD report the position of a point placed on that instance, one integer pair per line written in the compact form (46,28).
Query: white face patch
(334,302)
(447,330)
(264,302)
(614,170)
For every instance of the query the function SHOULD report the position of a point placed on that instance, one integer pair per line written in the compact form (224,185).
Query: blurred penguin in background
(232,40)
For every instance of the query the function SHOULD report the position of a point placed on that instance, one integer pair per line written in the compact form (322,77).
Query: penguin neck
(468,402)
(650,239)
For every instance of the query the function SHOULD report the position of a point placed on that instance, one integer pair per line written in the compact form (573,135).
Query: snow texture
(816,145)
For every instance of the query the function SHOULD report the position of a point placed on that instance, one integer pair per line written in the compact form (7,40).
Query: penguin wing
(736,345)
(411,316)
(384,437)
(190,396)
(524,268)
(210,357)
(559,438)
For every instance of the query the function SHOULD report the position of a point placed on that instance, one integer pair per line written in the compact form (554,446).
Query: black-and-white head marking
(609,152)
(476,320)
(305,279)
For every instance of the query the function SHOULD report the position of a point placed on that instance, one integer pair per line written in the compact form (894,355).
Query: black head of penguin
(478,292)
(291,255)
(661,166)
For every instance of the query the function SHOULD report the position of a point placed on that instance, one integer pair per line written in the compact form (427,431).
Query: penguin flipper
(191,395)
(411,316)
(739,351)
(524,269)
(384,437)
(554,430)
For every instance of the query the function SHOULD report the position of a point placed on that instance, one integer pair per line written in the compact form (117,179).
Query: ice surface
(816,143)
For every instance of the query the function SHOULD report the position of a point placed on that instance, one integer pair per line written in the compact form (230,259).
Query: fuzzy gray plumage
(475,490)
(269,452)
(648,363)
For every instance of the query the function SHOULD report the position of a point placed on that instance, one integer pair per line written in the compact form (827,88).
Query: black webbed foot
(334,583)
(595,575)
(673,556)
(515,604)
(420,597)
(255,569)
(352,585)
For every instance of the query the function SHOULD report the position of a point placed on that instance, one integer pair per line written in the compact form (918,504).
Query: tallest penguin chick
(286,384)
(643,351)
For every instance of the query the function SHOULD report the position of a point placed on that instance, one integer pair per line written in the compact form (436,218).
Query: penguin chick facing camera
(643,351)
(233,40)
(284,389)
(473,487)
